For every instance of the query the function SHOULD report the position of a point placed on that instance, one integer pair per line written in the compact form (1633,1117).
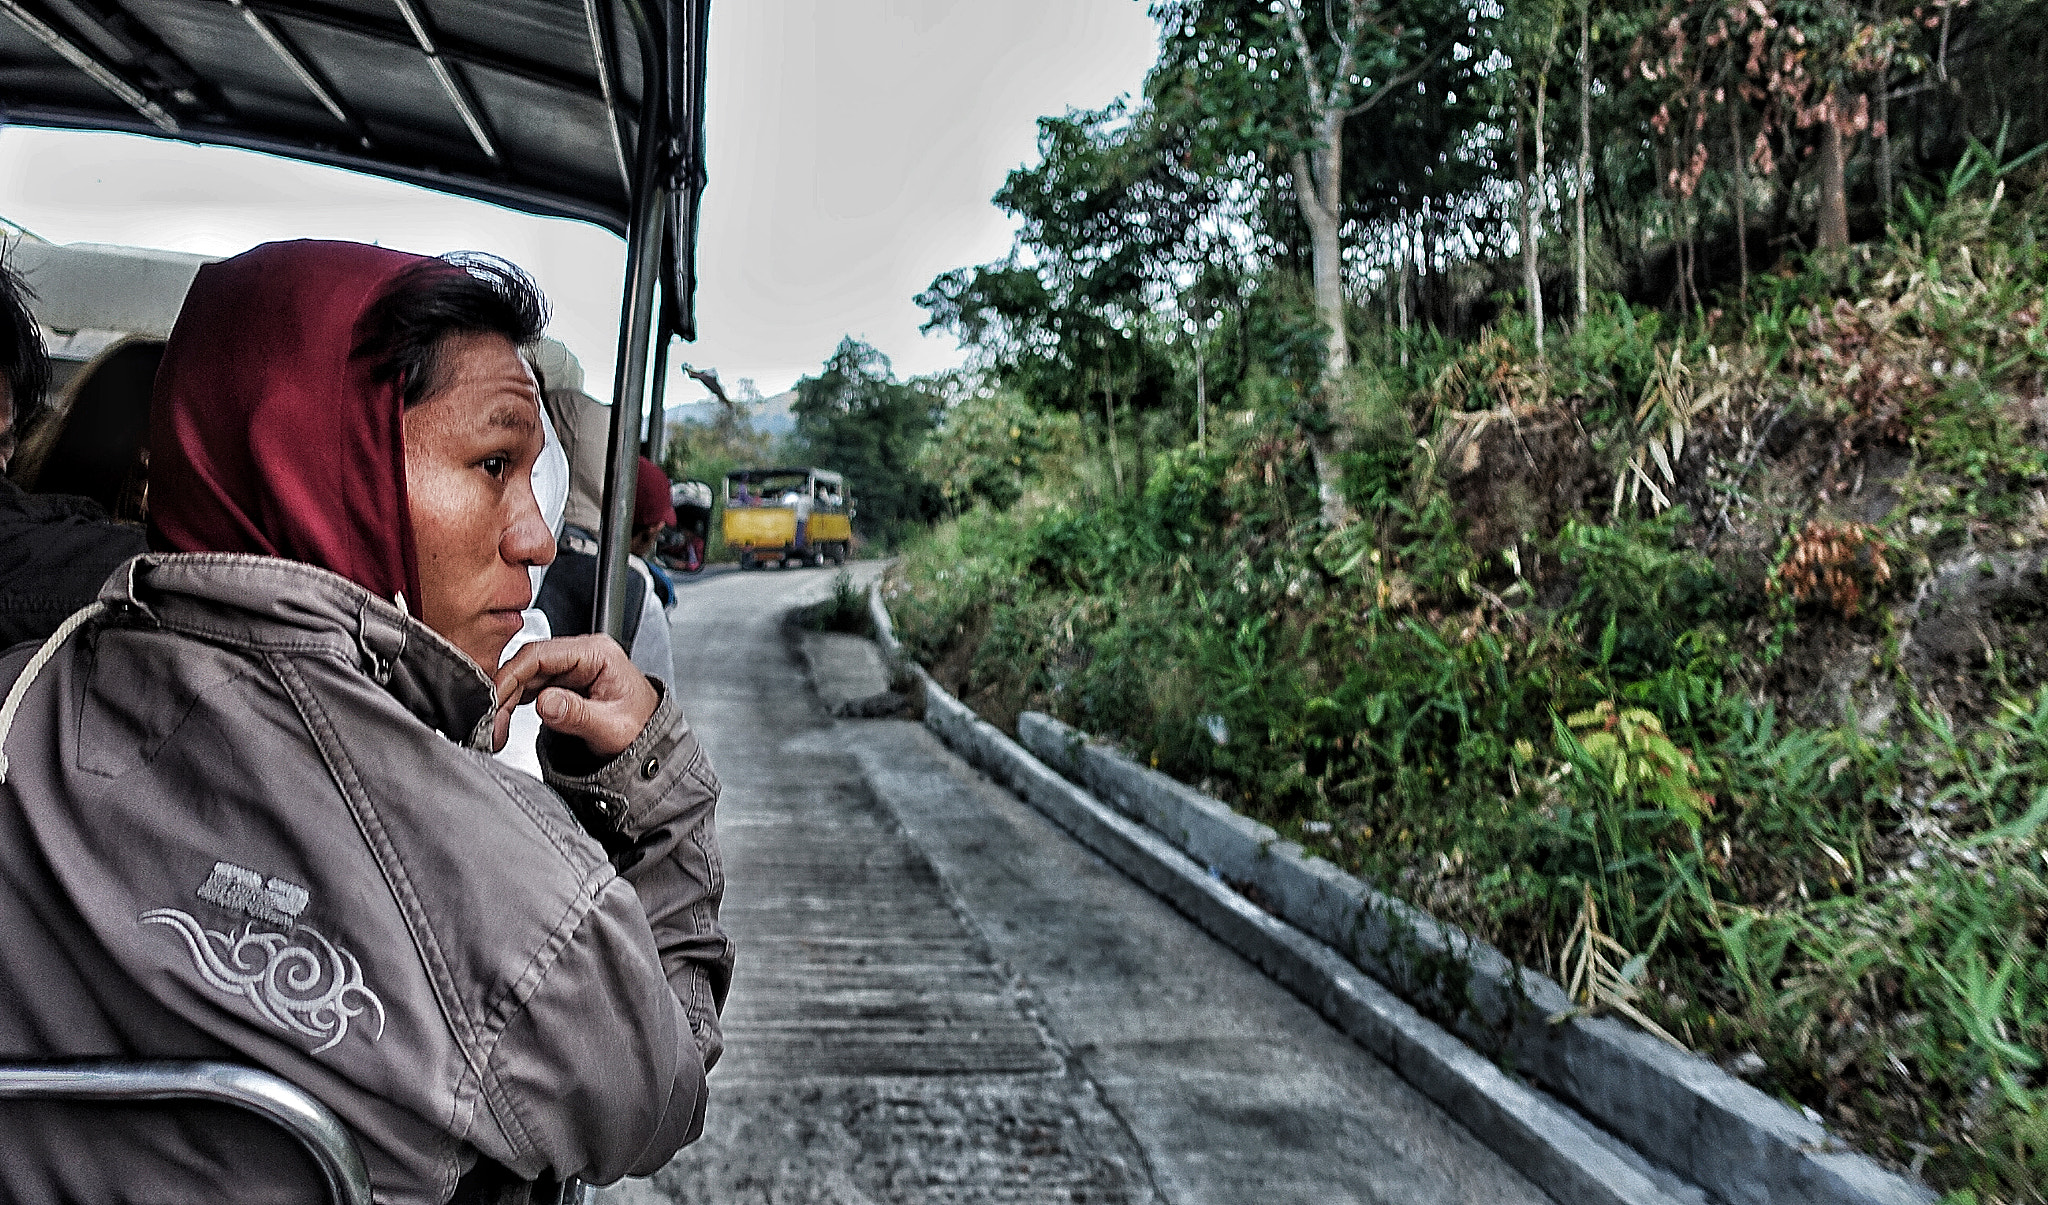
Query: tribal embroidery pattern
(300,982)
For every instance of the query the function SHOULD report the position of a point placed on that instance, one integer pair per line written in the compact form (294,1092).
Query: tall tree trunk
(1431,309)
(1401,286)
(1318,177)
(1532,281)
(1834,198)
(1201,394)
(1137,445)
(1741,187)
(1116,467)
(1585,149)
(1884,139)
(1319,190)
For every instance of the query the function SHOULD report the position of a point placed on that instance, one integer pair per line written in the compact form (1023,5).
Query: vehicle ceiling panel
(210,39)
(202,70)
(502,100)
(396,95)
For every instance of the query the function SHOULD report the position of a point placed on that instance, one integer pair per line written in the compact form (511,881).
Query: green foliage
(1597,718)
(845,611)
(856,418)
(1629,753)
(1543,675)
(990,445)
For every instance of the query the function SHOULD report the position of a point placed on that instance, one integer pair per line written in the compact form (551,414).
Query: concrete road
(943,998)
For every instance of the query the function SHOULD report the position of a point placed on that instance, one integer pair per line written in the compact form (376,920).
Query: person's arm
(651,800)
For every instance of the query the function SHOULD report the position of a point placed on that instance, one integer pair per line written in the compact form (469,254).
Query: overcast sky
(854,145)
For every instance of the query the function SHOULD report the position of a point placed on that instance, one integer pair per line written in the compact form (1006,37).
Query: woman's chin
(487,636)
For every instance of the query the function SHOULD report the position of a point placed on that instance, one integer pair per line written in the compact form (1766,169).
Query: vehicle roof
(93,286)
(507,101)
(90,296)
(762,474)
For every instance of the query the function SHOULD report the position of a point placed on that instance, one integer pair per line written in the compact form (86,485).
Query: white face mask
(551,491)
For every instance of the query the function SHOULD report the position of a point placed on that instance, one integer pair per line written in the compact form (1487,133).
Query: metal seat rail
(277,1100)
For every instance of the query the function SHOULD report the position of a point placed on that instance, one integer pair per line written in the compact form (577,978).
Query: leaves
(1596,984)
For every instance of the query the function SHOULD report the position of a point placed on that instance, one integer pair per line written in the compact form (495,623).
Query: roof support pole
(103,73)
(636,334)
(455,86)
(657,402)
(308,75)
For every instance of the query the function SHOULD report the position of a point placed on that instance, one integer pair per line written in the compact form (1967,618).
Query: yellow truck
(785,516)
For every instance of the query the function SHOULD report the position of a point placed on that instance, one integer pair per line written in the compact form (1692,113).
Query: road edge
(1717,1131)
(1532,1133)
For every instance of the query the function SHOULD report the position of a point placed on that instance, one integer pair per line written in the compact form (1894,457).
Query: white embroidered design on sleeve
(299,982)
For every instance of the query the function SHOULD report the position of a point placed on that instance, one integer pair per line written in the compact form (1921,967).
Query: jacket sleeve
(597,1074)
(653,807)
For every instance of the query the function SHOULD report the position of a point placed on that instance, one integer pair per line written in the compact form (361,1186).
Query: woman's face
(469,455)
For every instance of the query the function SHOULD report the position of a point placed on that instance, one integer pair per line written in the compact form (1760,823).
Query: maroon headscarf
(267,436)
(652,506)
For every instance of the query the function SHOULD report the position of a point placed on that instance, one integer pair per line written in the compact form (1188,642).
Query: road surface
(943,998)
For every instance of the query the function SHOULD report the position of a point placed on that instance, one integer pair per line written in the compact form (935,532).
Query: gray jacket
(248,813)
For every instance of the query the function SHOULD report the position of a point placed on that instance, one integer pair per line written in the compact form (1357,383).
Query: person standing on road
(248,810)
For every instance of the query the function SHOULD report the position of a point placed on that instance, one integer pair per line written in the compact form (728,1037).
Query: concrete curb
(1533,1134)
(1707,1126)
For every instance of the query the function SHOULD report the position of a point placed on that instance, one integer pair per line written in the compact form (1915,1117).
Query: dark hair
(464,293)
(24,362)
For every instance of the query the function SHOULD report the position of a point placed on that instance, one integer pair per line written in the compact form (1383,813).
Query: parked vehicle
(682,546)
(780,516)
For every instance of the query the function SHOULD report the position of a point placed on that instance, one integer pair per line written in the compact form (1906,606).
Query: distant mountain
(769,414)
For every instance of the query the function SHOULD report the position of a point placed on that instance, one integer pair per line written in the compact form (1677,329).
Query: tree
(729,441)
(1275,84)
(1107,218)
(855,417)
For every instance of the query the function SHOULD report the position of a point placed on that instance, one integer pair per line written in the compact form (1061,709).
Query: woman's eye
(497,466)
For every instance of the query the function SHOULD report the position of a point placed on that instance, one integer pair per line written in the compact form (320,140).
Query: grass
(1625,630)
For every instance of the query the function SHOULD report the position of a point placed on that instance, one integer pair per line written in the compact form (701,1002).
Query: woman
(247,805)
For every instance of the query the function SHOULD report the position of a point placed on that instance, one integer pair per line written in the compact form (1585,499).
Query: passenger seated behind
(55,550)
(95,441)
(247,807)
(654,509)
(571,586)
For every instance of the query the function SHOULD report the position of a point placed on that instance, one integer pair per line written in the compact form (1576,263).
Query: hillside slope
(1722,639)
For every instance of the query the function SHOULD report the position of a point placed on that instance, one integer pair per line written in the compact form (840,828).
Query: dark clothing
(569,591)
(55,551)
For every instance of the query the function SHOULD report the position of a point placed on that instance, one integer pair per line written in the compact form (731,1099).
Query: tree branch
(1308,55)
(1306,185)
(708,377)
(1406,77)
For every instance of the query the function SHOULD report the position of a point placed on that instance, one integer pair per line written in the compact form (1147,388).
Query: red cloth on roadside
(266,435)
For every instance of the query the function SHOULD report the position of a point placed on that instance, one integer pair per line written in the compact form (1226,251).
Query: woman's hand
(586,687)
